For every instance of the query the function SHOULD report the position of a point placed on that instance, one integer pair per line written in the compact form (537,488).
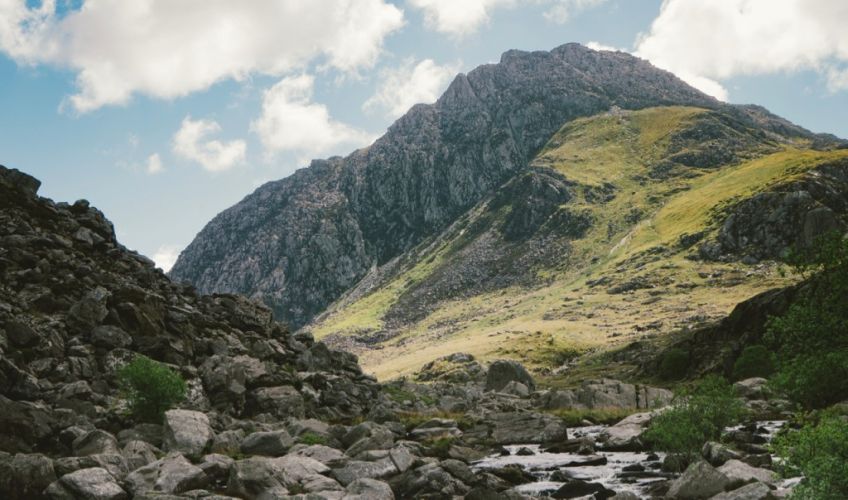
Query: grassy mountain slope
(589,248)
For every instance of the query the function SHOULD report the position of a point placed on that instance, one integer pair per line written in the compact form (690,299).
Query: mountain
(549,205)
(301,242)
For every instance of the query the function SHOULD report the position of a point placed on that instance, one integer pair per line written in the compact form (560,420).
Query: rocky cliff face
(299,243)
(75,305)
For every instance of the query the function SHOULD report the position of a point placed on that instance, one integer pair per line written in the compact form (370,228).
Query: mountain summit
(300,242)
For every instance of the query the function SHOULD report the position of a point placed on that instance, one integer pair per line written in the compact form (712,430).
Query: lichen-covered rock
(171,474)
(186,431)
(24,476)
(92,484)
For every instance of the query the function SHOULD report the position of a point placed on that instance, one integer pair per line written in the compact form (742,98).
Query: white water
(541,465)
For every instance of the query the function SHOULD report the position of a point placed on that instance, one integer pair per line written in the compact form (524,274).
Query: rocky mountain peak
(299,243)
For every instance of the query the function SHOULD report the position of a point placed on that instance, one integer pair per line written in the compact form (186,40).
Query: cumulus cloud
(154,164)
(409,84)
(704,41)
(190,142)
(460,18)
(168,49)
(290,121)
(563,10)
(166,256)
(601,46)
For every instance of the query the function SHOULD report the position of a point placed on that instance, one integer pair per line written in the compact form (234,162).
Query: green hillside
(590,249)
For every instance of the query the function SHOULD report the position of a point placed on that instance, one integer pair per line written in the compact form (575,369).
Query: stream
(623,471)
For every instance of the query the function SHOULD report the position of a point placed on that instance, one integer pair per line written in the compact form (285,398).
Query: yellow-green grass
(691,210)
(542,326)
(576,417)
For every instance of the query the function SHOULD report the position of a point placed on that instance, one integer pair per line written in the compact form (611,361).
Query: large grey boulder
(96,442)
(172,474)
(114,463)
(368,489)
(260,477)
(503,371)
(25,476)
(740,473)
(186,431)
(92,484)
(281,402)
(717,454)
(271,444)
(138,454)
(525,427)
(357,469)
(607,393)
(626,434)
(700,480)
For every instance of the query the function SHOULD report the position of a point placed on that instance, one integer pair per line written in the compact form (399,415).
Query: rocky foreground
(269,414)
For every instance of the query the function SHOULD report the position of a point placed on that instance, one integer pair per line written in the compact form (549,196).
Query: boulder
(502,372)
(281,402)
(578,489)
(261,477)
(110,337)
(626,434)
(96,442)
(114,463)
(608,393)
(700,480)
(515,388)
(739,473)
(330,457)
(717,454)
(25,476)
(172,474)
(752,388)
(356,469)
(138,454)
(368,489)
(435,428)
(186,431)
(92,484)
(525,428)
(271,444)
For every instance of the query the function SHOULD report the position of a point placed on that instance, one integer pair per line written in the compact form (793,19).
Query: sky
(162,113)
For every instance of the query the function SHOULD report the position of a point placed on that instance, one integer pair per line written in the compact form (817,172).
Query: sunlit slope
(585,250)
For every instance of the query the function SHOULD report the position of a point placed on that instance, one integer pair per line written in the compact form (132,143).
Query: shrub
(755,361)
(151,388)
(674,364)
(311,438)
(696,416)
(820,453)
(815,380)
(811,338)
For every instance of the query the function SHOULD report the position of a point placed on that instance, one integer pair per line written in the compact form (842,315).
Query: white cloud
(463,17)
(166,256)
(167,49)
(706,41)
(601,46)
(213,155)
(154,164)
(563,10)
(290,121)
(458,18)
(409,84)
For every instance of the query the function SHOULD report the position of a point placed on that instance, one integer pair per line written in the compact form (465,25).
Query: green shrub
(674,364)
(696,416)
(820,453)
(815,380)
(150,388)
(755,361)
(312,438)
(811,338)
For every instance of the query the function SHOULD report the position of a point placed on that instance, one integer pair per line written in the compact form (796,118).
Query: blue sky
(163,113)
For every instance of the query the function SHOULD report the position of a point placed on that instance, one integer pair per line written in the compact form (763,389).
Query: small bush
(755,361)
(820,453)
(696,416)
(674,364)
(311,438)
(815,380)
(150,388)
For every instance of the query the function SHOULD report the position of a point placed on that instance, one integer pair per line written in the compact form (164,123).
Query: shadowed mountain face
(299,243)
